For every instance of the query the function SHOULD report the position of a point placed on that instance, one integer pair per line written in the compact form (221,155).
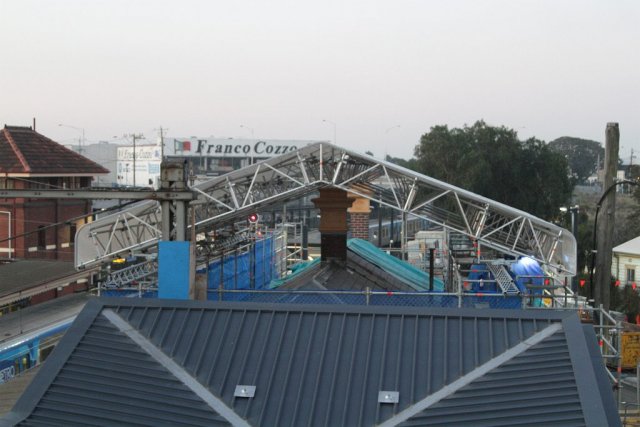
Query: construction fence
(405,299)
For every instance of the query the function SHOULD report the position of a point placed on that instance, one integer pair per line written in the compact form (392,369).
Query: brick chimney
(359,217)
(333,204)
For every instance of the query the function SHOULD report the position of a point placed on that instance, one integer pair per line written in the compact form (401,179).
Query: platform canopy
(295,174)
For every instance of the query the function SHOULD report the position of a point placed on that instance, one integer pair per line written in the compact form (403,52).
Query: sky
(376,74)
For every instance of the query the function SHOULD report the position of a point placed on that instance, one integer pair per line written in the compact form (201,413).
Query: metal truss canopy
(297,173)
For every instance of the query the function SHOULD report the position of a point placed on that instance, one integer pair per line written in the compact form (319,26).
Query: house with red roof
(31,161)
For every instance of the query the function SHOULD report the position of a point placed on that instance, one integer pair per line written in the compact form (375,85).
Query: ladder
(503,279)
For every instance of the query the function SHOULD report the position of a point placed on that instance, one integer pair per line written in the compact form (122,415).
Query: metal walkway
(503,279)
(304,171)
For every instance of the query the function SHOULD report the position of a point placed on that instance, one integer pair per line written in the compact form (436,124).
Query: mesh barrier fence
(406,299)
(402,299)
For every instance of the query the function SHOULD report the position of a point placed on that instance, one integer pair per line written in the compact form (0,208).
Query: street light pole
(135,136)
(251,129)
(573,210)
(594,251)
(81,141)
(335,140)
(385,142)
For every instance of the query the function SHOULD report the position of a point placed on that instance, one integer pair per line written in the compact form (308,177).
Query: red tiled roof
(23,150)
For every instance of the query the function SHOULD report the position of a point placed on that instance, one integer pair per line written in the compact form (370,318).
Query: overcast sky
(545,68)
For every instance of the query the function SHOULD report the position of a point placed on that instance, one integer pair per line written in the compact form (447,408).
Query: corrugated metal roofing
(515,393)
(108,379)
(321,365)
(22,274)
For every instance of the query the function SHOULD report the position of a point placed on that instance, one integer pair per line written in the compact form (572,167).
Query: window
(42,237)
(631,274)
(72,234)
(6,183)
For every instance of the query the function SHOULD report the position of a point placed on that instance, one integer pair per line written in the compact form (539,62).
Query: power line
(56,224)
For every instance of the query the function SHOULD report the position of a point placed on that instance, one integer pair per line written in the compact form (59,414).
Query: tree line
(493,162)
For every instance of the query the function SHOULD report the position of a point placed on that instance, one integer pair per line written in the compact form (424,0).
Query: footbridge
(232,196)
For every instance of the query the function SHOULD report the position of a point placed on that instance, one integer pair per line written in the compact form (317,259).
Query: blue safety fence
(253,267)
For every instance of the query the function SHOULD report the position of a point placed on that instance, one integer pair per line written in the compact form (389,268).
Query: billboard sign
(219,147)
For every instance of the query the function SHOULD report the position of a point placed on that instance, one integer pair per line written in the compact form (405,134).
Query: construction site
(276,293)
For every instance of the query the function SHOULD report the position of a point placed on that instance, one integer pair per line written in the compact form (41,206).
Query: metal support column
(166,220)
(181,221)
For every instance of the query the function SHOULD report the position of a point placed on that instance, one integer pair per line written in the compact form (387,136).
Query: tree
(409,164)
(491,161)
(583,155)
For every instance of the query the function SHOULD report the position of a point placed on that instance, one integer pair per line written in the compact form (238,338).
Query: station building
(31,161)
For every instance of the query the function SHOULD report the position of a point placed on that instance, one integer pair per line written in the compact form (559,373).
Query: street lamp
(251,129)
(334,130)
(385,142)
(81,141)
(247,127)
(573,210)
(595,230)
(8,231)
(135,137)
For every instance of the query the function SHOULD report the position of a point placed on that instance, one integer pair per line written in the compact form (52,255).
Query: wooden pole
(606,219)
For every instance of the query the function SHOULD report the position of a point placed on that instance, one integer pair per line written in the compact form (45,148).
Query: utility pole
(604,232)
(135,136)
(161,130)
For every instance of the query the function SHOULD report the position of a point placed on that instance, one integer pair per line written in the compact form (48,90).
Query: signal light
(617,283)
(582,282)
(253,218)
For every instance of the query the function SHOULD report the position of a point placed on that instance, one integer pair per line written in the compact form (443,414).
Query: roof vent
(244,391)
(388,397)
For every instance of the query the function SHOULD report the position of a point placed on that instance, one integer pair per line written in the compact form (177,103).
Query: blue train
(29,350)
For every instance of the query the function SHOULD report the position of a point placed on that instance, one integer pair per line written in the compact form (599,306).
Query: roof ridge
(79,156)
(16,150)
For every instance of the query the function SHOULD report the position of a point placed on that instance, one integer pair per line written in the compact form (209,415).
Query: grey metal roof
(185,362)
(18,275)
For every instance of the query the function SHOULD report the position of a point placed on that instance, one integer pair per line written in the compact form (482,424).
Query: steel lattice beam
(295,174)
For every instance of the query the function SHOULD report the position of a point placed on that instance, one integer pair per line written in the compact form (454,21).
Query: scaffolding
(296,174)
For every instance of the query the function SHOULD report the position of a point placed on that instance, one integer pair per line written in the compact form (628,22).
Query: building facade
(625,264)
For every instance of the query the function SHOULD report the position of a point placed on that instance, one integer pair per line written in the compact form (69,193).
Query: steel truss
(292,175)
